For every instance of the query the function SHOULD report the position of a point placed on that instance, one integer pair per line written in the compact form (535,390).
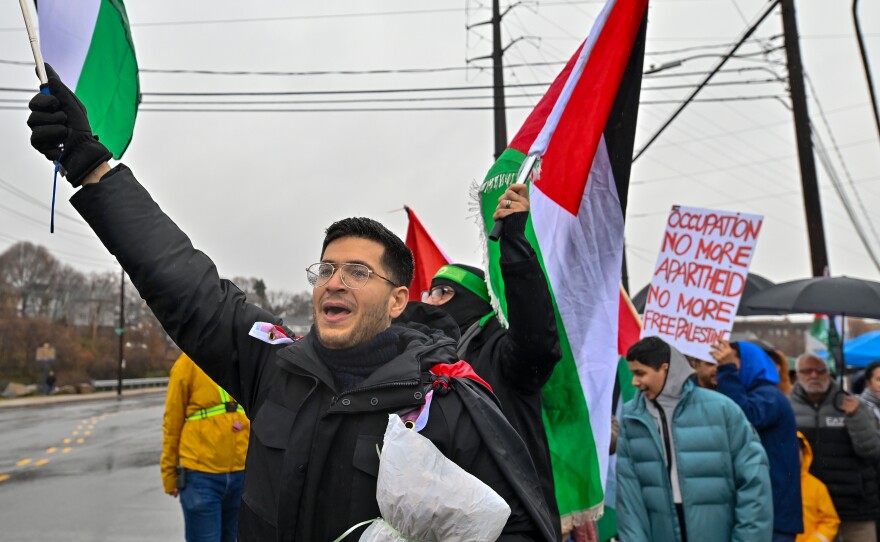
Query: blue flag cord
(54,187)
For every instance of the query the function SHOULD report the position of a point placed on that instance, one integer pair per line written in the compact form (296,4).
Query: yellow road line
(65,441)
(87,433)
(23,462)
(66,450)
(80,440)
(4,477)
(75,433)
(41,462)
(51,450)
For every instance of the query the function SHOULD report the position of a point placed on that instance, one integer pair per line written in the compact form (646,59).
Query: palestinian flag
(581,134)
(427,256)
(88,42)
(629,329)
(824,340)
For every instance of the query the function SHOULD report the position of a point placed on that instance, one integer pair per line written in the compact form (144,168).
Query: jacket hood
(807,452)
(755,365)
(427,319)
(679,373)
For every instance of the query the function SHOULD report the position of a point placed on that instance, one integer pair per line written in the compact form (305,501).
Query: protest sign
(699,278)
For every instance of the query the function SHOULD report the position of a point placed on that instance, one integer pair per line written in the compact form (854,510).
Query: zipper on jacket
(666,444)
(398,384)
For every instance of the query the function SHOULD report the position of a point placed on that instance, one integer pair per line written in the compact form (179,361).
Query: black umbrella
(754,284)
(843,296)
(838,296)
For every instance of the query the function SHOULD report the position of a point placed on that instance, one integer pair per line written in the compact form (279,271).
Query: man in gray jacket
(846,446)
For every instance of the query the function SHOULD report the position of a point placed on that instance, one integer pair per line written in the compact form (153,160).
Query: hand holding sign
(724,354)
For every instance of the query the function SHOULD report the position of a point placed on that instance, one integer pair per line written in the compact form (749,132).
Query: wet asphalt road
(85,472)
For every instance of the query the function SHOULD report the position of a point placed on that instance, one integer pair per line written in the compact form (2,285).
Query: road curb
(45,400)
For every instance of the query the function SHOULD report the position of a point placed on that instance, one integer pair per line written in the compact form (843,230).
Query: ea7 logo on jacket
(835,421)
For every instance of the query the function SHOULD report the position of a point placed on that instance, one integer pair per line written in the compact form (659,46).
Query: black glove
(60,118)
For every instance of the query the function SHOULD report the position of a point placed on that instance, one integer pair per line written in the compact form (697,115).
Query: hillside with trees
(43,300)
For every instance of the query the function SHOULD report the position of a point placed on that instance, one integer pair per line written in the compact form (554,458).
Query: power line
(332,92)
(317,92)
(750,164)
(9,187)
(41,222)
(330,110)
(708,46)
(749,31)
(275,19)
(301,73)
(836,148)
(411,71)
(153,106)
(825,160)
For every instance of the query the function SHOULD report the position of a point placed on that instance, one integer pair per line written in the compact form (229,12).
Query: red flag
(427,255)
(629,326)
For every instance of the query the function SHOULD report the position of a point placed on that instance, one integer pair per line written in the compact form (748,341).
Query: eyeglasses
(817,371)
(353,275)
(437,293)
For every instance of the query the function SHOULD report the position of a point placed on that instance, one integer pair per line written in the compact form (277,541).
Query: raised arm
(530,350)
(207,317)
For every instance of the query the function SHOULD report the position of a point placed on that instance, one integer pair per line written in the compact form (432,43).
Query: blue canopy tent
(862,350)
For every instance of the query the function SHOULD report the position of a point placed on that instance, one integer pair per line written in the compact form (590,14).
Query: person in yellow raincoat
(203,453)
(820,517)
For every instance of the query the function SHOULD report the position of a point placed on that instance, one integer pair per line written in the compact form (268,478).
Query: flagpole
(524,170)
(35,46)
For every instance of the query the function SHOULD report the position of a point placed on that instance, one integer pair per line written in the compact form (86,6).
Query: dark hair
(869,370)
(650,351)
(397,257)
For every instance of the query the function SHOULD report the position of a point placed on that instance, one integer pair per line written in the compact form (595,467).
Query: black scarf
(465,307)
(350,366)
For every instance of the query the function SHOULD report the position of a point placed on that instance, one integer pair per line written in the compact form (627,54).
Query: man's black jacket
(312,462)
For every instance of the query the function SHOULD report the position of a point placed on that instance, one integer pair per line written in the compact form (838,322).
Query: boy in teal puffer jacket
(690,465)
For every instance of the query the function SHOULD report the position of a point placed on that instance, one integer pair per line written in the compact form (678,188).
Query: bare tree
(28,270)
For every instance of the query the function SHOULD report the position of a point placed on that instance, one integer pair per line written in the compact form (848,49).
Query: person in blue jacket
(689,465)
(747,375)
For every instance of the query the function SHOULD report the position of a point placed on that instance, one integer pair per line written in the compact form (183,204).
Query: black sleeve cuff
(514,245)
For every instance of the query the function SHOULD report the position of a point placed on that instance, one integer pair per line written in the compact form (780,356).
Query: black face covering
(465,306)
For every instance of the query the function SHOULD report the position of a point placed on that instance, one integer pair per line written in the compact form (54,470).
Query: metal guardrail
(130,383)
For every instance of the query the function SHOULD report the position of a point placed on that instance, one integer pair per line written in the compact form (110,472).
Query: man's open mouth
(334,311)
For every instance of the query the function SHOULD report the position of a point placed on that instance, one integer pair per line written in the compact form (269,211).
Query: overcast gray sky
(256,190)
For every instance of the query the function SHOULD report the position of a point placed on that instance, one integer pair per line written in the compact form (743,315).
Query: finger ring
(507,205)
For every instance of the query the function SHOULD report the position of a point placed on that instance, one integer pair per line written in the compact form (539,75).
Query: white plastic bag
(425,497)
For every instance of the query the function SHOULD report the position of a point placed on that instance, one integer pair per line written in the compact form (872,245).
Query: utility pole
(121,332)
(499,106)
(498,103)
(809,181)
